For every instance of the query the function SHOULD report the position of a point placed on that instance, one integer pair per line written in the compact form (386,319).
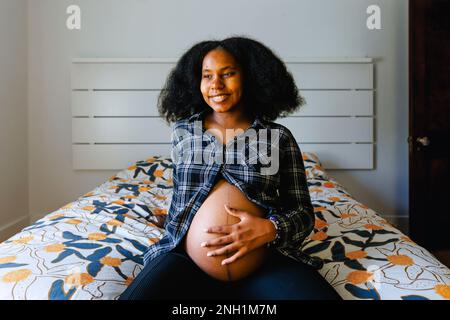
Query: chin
(220,108)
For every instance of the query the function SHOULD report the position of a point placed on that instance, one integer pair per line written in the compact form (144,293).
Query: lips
(219,97)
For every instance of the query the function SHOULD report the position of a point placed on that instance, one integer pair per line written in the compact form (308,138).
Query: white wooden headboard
(115,121)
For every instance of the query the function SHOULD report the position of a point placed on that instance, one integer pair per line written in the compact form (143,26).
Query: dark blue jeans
(174,275)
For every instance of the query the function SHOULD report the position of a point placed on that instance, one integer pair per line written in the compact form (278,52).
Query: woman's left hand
(248,234)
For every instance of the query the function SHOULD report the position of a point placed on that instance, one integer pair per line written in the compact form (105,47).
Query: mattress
(92,248)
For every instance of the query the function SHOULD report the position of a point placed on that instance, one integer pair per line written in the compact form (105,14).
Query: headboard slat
(115,120)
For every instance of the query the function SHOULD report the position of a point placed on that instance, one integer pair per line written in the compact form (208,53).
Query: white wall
(13,117)
(165,28)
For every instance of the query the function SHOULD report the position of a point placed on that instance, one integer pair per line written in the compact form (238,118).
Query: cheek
(204,89)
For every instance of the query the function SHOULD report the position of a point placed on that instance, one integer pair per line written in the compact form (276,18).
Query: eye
(207,76)
(228,74)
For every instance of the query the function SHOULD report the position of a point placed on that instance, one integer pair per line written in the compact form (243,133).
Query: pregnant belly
(213,213)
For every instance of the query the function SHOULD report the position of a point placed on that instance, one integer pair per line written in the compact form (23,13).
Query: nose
(216,83)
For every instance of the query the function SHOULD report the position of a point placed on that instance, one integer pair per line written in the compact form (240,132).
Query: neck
(230,119)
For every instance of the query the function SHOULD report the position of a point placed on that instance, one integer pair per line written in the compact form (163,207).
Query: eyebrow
(227,67)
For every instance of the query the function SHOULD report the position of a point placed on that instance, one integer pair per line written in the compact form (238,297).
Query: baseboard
(10,229)
(36,217)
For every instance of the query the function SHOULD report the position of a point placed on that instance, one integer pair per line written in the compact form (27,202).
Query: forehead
(219,58)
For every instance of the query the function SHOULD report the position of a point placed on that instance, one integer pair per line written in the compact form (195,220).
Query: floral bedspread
(92,248)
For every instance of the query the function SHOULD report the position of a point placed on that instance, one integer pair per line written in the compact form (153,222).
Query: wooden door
(429,123)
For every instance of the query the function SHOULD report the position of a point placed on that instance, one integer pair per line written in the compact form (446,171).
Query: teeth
(219,98)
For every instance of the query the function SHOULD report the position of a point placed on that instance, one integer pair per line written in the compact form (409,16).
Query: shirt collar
(199,116)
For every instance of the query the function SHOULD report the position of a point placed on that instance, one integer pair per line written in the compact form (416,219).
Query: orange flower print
(114,223)
(329,185)
(112,262)
(73,221)
(358,277)
(159,211)
(443,290)
(317,209)
(97,236)
(23,240)
(319,236)
(153,240)
(133,167)
(334,199)
(129,281)
(400,260)
(320,224)
(346,215)
(16,275)
(79,279)
(57,247)
(370,226)
(7,259)
(353,255)
(56,216)
(158,173)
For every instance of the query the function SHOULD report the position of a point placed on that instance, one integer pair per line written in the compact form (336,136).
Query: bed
(92,248)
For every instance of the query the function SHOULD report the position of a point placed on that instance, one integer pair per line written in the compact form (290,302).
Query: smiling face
(221,84)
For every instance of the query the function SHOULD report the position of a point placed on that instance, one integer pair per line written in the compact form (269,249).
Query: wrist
(273,231)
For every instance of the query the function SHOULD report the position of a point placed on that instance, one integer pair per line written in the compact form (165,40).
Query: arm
(296,219)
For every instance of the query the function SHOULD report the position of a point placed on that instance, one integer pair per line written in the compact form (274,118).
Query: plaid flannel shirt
(284,195)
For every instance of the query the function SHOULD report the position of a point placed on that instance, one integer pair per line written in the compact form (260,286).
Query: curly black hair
(270,90)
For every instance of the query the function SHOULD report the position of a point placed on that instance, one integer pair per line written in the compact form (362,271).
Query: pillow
(156,170)
(313,167)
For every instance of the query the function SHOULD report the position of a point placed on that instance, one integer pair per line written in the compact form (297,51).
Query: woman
(234,227)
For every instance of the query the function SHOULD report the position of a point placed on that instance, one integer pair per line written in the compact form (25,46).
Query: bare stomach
(212,213)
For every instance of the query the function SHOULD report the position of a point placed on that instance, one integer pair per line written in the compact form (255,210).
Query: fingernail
(224,263)
(205,230)
(209,254)
(203,244)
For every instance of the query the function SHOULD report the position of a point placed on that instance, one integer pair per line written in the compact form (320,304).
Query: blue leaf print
(110,240)
(98,254)
(94,268)
(12,265)
(69,235)
(317,248)
(362,293)
(104,229)
(414,297)
(121,211)
(34,227)
(57,291)
(338,252)
(124,252)
(353,264)
(129,255)
(137,245)
(66,253)
(120,273)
